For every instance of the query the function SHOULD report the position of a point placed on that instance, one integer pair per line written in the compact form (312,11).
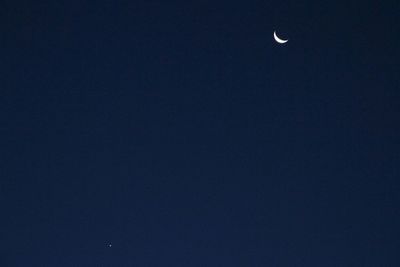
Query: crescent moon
(279,40)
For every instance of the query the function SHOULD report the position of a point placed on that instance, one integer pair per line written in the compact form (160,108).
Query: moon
(279,40)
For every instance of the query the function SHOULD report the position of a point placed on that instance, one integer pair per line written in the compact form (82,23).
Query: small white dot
(109,245)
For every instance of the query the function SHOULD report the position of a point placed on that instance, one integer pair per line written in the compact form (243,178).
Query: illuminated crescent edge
(279,40)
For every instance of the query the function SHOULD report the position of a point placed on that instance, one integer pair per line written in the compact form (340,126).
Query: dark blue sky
(183,135)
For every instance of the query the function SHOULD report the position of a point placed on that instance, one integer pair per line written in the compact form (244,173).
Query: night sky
(181,134)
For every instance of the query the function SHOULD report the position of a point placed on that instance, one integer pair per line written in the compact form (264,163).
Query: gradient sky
(182,134)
